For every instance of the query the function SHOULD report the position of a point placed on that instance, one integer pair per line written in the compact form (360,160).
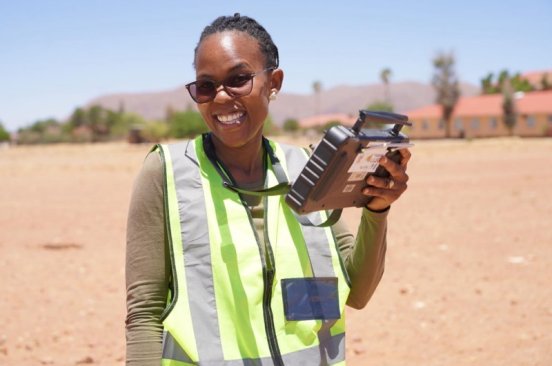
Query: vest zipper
(268,278)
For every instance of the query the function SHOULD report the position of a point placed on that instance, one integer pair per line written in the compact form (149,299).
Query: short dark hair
(249,26)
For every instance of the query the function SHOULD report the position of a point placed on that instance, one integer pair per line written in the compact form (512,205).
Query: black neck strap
(281,188)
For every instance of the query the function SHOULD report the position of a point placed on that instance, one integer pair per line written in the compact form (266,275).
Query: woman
(218,275)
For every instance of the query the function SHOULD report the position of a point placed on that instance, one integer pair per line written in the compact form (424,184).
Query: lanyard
(281,188)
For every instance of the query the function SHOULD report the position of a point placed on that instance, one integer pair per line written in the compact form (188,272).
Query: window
(475,124)
(550,119)
(493,123)
(425,125)
(531,121)
(442,124)
(458,124)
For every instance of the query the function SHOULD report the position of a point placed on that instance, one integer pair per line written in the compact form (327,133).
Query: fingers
(386,190)
(380,182)
(397,171)
(387,184)
(396,168)
(383,197)
(405,157)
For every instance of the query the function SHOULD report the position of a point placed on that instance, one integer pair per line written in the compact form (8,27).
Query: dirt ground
(467,277)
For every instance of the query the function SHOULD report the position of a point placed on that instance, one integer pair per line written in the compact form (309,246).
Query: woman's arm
(364,257)
(147,266)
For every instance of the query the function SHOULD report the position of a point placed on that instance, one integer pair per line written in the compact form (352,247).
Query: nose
(221,95)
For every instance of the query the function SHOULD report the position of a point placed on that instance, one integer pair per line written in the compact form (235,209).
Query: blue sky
(57,55)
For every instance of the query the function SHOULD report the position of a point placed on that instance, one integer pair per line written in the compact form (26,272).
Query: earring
(273,96)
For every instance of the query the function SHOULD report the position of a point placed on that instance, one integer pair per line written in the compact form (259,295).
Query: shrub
(186,124)
(155,131)
(4,135)
(291,125)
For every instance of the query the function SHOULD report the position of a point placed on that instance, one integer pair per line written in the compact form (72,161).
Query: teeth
(229,118)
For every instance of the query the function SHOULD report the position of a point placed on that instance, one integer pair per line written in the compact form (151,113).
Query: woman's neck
(245,163)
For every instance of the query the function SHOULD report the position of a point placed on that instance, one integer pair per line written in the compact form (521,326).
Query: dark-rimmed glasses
(239,85)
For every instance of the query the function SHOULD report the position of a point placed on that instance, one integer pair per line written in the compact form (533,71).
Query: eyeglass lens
(203,91)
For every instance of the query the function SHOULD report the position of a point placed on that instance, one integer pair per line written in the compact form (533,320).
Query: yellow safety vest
(226,306)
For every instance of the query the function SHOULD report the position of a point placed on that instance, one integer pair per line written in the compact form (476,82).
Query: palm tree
(317,88)
(509,114)
(385,74)
(446,86)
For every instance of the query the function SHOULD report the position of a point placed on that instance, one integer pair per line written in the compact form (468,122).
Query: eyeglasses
(239,85)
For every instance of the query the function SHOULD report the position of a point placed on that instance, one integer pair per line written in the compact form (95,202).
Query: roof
(536,102)
(535,77)
(490,105)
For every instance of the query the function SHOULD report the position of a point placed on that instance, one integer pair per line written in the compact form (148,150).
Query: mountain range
(340,99)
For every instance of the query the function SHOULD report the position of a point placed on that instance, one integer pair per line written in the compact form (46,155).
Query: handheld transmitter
(336,172)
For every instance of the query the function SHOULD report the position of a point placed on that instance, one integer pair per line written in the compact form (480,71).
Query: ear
(276,80)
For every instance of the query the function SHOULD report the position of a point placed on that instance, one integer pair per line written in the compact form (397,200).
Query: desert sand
(468,270)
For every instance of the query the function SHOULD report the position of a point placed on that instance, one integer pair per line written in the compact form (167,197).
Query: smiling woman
(235,55)
(220,271)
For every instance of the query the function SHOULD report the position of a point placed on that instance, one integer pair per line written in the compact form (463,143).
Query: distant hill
(341,99)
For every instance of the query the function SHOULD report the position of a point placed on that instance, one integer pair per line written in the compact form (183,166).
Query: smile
(229,119)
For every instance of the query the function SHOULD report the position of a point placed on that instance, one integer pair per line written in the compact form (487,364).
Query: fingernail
(371,179)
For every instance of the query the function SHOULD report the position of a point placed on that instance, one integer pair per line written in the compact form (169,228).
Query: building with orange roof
(482,116)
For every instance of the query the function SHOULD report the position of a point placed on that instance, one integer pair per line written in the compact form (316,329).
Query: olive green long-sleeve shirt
(148,261)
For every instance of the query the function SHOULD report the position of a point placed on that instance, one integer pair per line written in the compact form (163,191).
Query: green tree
(41,126)
(186,124)
(78,118)
(521,84)
(381,106)
(447,86)
(291,125)
(487,86)
(155,131)
(121,124)
(98,122)
(113,119)
(385,75)
(516,82)
(503,76)
(4,134)
(41,132)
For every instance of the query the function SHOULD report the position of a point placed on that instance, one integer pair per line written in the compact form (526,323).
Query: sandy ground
(467,278)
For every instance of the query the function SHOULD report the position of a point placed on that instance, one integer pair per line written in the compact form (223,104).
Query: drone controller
(336,172)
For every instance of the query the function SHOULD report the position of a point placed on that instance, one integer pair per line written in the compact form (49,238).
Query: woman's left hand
(387,190)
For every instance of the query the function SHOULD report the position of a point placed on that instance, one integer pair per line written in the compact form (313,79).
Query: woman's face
(235,121)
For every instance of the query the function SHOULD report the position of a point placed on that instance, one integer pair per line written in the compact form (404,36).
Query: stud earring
(273,96)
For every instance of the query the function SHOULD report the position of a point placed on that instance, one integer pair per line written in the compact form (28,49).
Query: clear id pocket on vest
(311,298)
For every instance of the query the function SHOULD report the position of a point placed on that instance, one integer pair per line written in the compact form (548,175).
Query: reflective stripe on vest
(217,315)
